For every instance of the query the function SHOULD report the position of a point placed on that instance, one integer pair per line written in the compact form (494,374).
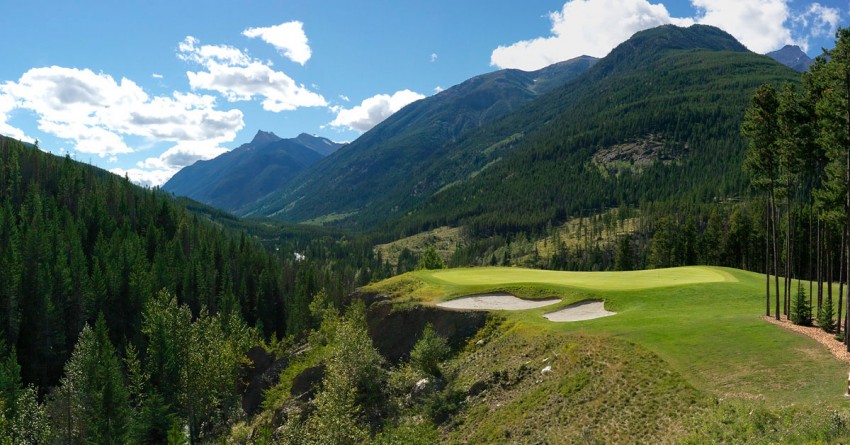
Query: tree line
(799,158)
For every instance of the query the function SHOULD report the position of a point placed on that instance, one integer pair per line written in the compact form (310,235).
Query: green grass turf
(704,321)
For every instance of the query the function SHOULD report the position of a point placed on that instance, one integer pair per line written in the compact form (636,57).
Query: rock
(546,370)
(425,386)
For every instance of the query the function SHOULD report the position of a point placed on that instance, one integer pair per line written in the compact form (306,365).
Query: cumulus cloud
(758,24)
(155,171)
(289,39)
(7,104)
(373,110)
(96,111)
(594,27)
(584,27)
(434,57)
(237,77)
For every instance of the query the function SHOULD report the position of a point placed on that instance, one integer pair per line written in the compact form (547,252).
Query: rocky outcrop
(396,328)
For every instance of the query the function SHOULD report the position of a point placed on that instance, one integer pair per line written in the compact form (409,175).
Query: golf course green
(706,322)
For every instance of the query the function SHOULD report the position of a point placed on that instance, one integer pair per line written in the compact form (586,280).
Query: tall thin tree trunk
(809,253)
(787,289)
(820,263)
(847,169)
(767,257)
(829,274)
(841,280)
(775,250)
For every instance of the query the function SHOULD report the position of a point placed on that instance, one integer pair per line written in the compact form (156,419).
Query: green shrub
(429,351)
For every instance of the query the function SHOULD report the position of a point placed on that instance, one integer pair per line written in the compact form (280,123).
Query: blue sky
(145,88)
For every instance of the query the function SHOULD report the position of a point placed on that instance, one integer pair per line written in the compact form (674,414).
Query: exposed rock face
(394,330)
(637,155)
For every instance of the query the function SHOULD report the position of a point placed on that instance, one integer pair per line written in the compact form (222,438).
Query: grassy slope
(703,321)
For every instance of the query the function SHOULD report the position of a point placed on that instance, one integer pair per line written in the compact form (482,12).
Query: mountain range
(656,119)
(388,167)
(250,171)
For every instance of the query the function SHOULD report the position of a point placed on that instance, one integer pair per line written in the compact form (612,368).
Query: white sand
(584,310)
(495,302)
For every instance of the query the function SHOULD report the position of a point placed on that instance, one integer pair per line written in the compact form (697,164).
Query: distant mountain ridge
(249,171)
(391,162)
(678,92)
(793,57)
(666,106)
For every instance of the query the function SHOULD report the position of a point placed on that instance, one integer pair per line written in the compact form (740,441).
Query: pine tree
(431,260)
(100,403)
(623,258)
(826,314)
(761,129)
(801,311)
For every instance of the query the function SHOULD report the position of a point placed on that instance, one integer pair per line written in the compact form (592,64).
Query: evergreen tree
(801,311)
(100,404)
(761,129)
(431,260)
(826,314)
(623,259)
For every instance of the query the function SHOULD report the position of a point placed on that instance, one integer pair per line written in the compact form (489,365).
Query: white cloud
(237,77)
(373,110)
(289,39)
(438,89)
(344,98)
(434,57)
(97,112)
(190,51)
(7,104)
(758,24)
(147,178)
(158,170)
(584,27)
(819,20)
(157,76)
(595,27)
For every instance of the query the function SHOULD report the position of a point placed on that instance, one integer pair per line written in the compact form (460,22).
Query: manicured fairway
(704,321)
(635,280)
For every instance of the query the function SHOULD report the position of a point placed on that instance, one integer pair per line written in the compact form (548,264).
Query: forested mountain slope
(657,119)
(385,170)
(130,313)
(250,171)
(77,241)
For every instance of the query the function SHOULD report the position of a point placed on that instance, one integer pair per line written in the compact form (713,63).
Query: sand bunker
(584,310)
(495,302)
